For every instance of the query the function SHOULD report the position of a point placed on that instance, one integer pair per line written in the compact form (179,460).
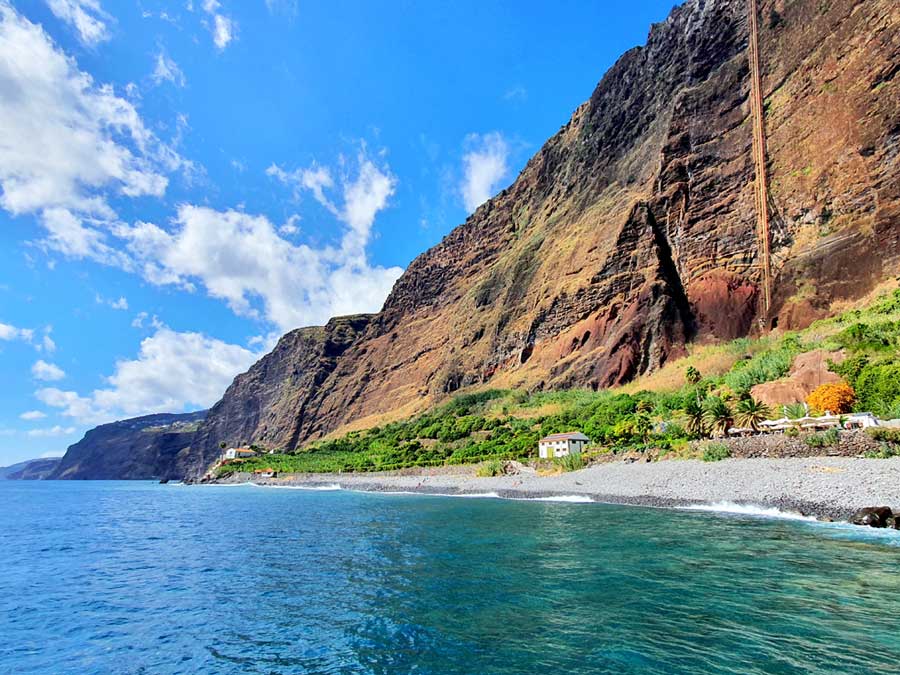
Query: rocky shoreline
(831,488)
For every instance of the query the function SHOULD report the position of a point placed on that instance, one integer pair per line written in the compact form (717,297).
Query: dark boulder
(873,516)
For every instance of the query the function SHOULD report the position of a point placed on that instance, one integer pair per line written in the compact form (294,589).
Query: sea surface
(136,577)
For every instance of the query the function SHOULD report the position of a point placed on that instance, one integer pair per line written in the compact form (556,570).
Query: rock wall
(632,231)
(139,448)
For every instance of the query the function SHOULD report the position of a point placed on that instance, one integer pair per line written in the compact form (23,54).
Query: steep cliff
(139,448)
(32,469)
(273,404)
(632,231)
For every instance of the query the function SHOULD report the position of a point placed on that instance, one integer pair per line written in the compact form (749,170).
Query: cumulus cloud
(85,16)
(51,432)
(172,371)
(484,166)
(47,343)
(9,333)
(49,372)
(166,70)
(68,143)
(32,415)
(243,259)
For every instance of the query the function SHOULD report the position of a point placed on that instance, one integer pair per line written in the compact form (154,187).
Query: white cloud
(223,28)
(10,333)
(166,70)
(121,303)
(49,372)
(242,259)
(47,343)
(290,226)
(32,415)
(364,195)
(86,16)
(286,7)
(172,371)
(52,431)
(484,166)
(516,93)
(68,143)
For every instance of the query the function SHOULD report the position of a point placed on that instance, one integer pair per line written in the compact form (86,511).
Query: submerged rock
(874,516)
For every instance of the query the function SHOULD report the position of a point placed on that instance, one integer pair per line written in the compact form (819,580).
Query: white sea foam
(472,495)
(749,510)
(572,499)
(325,487)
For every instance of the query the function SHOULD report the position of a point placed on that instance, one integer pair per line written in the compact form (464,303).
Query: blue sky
(181,182)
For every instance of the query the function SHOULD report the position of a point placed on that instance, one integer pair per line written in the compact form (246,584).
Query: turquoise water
(143,578)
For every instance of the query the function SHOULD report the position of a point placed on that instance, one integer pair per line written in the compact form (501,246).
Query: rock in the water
(873,516)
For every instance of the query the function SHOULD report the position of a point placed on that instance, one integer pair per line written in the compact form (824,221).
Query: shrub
(885,435)
(716,452)
(878,386)
(825,439)
(573,462)
(489,469)
(835,397)
(692,375)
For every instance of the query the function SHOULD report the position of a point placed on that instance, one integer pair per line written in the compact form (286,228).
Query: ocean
(136,577)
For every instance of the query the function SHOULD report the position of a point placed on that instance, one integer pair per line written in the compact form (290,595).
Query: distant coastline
(824,487)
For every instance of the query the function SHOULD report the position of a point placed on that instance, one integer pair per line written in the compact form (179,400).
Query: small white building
(561,445)
(239,453)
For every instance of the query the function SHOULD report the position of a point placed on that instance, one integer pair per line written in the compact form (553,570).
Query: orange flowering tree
(835,397)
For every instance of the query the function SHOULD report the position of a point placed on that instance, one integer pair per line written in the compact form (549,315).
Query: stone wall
(850,444)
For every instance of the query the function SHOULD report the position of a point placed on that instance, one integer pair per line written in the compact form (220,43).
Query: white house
(239,453)
(561,445)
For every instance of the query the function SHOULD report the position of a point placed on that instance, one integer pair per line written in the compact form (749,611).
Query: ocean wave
(749,510)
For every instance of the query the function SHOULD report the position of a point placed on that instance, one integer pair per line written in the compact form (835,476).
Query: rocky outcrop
(139,448)
(874,516)
(631,232)
(808,371)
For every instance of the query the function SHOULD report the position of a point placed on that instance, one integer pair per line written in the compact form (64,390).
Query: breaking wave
(749,510)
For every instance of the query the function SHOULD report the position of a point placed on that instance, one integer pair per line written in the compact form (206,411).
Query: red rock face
(633,230)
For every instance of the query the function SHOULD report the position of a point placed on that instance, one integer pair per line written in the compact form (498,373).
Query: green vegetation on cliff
(502,424)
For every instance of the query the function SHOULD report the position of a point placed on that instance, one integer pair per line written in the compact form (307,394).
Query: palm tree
(694,421)
(749,413)
(717,415)
(795,411)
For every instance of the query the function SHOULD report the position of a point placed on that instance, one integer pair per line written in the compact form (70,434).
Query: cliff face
(274,403)
(632,231)
(32,469)
(139,448)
